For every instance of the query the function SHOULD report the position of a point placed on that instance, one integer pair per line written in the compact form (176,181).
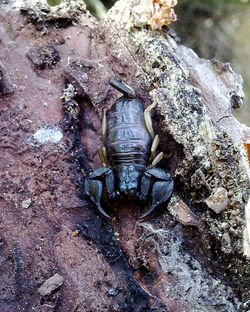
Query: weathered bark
(189,256)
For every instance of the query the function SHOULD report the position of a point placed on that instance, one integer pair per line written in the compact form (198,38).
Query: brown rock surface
(184,258)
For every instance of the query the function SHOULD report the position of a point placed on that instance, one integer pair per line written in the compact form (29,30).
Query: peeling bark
(188,256)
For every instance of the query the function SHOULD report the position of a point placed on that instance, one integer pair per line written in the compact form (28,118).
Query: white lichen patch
(205,293)
(47,134)
(41,11)
(16,4)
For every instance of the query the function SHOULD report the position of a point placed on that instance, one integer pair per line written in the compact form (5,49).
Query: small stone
(184,215)
(224,225)
(218,201)
(50,285)
(26,203)
(76,232)
(113,292)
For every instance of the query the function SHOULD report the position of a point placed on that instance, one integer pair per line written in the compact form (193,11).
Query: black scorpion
(130,144)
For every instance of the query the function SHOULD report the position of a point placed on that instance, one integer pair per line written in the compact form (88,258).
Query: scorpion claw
(147,213)
(161,190)
(103,213)
(93,189)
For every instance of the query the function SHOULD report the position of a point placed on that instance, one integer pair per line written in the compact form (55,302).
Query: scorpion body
(129,144)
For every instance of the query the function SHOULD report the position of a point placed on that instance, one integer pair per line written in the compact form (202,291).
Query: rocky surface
(55,65)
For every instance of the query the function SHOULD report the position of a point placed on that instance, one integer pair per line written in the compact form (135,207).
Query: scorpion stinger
(121,86)
(130,145)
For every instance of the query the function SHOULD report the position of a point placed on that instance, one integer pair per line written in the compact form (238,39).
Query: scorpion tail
(121,86)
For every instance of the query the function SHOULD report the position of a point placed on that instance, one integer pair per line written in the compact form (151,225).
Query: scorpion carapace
(129,146)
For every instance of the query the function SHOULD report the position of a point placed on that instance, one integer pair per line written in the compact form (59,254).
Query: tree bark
(56,252)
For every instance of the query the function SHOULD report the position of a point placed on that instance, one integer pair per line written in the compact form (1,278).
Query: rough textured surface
(186,257)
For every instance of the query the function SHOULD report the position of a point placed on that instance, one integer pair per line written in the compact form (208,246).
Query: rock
(218,201)
(26,203)
(50,285)
(184,214)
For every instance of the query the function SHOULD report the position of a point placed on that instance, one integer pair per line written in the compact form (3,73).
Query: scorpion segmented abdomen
(128,141)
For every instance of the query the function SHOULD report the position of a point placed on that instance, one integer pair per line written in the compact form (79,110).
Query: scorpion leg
(157,159)
(154,146)
(162,188)
(148,120)
(102,152)
(104,127)
(93,186)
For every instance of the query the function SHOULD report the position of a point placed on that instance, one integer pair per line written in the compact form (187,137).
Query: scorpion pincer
(129,145)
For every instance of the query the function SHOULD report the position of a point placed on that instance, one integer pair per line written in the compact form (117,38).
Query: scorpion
(130,144)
